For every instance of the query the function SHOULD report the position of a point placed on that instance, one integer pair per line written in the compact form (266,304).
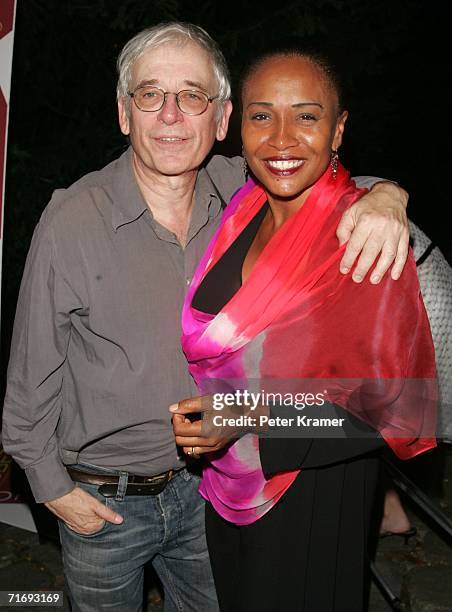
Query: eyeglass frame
(166,93)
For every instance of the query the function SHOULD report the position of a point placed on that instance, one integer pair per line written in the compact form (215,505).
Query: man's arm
(376,226)
(35,373)
(33,401)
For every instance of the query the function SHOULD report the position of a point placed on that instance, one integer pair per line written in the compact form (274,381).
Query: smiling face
(290,124)
(168,142)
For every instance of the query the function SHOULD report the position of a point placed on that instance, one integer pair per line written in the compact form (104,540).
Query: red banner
(7,8)
(7,14)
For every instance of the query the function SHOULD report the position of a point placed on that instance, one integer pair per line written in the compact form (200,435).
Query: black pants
(308,553)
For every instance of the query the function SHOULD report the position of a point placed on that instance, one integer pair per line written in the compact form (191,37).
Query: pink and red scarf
(297,317)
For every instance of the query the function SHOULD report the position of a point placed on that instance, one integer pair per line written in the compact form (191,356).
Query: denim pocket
(85,535)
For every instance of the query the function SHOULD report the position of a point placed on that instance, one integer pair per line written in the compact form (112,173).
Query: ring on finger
(194,454)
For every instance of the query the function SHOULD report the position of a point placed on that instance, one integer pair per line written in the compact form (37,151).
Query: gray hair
(172,32)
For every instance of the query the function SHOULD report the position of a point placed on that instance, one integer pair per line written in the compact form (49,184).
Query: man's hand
(199,436)
(82,512)
(377,223)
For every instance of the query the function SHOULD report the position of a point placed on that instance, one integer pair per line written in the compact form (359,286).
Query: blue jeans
(104,570)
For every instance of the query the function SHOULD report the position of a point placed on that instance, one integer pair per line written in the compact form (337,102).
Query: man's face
(169,142)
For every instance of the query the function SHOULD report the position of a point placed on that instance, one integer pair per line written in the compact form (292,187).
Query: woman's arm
(376,226)
(279,454)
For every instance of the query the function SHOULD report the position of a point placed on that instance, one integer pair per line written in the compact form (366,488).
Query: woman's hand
(198,436)
(212,429)
(376,225)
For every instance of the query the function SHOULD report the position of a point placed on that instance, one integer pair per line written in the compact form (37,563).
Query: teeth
(285,164)
(170,139)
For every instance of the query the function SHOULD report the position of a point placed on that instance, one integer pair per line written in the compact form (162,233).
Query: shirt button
(187,280)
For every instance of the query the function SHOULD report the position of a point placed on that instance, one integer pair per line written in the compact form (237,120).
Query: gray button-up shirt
(96,357)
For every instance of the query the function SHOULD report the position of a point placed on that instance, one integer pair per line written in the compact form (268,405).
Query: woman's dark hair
(328,71)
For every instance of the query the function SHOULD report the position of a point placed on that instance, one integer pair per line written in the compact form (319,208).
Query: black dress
(309,552)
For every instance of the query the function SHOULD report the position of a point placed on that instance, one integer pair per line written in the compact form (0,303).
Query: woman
(287,518)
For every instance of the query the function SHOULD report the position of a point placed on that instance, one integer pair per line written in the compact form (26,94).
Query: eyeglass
(151,99)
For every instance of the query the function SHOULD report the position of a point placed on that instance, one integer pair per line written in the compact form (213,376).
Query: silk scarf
(297,318)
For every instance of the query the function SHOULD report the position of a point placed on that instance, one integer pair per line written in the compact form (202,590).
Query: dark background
(393,57)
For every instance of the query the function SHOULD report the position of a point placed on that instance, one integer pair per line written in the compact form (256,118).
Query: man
(96,358)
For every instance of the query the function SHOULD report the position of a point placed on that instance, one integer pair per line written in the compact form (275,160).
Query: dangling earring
(244,164)
(334,163)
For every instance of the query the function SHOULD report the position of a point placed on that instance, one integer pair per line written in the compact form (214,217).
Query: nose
(283,134)
(170,112)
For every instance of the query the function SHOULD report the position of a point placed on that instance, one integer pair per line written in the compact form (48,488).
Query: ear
(123,117)
(340,126)
(222,127)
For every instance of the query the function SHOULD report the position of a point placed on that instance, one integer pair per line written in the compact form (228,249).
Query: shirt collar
(207,198)
(129,203)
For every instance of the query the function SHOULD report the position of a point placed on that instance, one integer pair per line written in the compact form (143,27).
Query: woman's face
(290,124)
